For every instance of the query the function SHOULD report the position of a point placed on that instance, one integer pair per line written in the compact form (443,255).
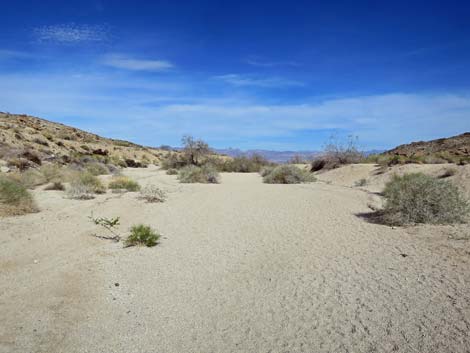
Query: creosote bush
(206,174)
(124,183)
(152,193)
(419,198)
(142,235)
(15,199)
(288,174)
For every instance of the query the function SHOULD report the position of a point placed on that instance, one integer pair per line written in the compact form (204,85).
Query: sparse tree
(194,150)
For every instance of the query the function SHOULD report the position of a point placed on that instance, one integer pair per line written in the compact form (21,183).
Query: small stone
(36,261)
(116,284)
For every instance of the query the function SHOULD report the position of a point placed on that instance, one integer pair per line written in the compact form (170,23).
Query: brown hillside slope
(452,147)
(28,141)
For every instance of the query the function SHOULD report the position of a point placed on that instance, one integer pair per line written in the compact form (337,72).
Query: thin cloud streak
(268,82)
(71,33)
(128,63)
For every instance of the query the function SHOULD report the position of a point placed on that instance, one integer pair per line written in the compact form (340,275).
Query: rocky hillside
(27,141)
(451,148)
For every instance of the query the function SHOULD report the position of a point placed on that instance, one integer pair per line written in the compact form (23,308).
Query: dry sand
(242,267)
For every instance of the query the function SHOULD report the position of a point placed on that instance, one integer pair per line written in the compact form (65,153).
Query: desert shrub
(194,151)
(51,172)
(266,170)
(55,186)
(142,235)
(172,171)
(32,156)
(243,164)
(152,193)
(173,161)
(317,164)
(124,183)
(288,174)
(419,198)
(193,174)
(80,191)
(31,178)
(97,169)
(40,141)
(19,163)
(337,153)
(15,199)
(84,185)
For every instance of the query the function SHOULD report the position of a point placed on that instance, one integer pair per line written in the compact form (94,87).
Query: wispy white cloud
(268,82)
(128,63)
(254,61)
(14,54)
(71,33)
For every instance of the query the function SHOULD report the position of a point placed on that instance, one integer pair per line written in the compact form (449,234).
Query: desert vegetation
(15,199)
(206,174)
(84,186)
(141,234)
(419,198)
(337,153)
(152,193)
(123,183)
(287,174)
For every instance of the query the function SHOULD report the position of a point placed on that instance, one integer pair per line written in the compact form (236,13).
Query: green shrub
(152,193)
(193,174)
(142,235)
(288,174)
(419,198)
(15,199)
(124,183)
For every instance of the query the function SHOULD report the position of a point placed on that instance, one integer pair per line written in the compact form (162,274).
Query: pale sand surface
(242,267)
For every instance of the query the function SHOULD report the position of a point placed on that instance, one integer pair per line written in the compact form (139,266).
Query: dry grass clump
(97,169)
(152,193)
(288,174)
(84,185)
(123,183)
(15,199)
(142,235)
(419,198)
(206,174)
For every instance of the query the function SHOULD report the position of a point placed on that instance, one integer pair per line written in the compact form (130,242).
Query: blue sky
(257,74)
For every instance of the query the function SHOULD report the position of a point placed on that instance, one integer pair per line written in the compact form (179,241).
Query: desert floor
(242,267)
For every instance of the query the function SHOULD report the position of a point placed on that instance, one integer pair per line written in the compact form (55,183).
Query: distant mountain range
(279,156)
(272,156)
